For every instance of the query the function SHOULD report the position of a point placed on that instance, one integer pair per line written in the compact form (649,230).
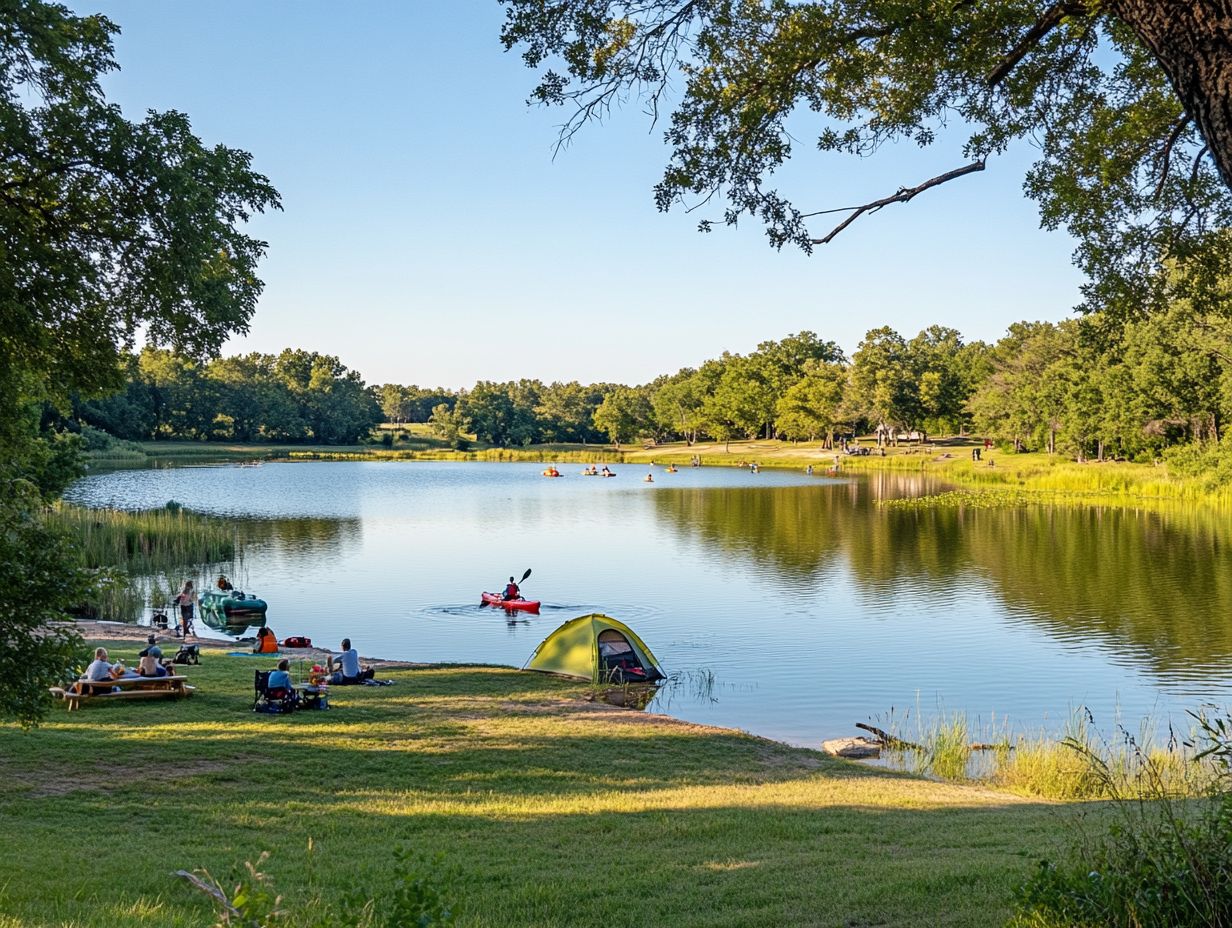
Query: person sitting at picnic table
(281,678)
(267,642)
(349,672)
(149,665)
(97,678)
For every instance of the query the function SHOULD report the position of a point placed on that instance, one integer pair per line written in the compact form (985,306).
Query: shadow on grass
(551,810)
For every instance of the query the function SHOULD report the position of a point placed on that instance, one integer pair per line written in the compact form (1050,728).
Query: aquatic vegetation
(139,555)
(1079,765)
(540,453)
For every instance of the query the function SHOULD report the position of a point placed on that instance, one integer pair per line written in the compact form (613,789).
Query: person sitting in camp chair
(274,692)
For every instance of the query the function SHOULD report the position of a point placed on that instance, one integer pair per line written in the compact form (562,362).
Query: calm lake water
(808,606)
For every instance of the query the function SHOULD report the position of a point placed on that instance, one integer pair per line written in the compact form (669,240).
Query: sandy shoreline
(95,630)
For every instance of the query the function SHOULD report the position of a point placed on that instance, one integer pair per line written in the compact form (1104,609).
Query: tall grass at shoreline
(1081,765)
(544,455)
(1026,478)
(139,555)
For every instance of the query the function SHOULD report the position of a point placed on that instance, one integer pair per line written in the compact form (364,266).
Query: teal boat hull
(232,609)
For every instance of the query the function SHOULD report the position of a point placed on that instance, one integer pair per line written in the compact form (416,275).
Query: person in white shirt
(348,669)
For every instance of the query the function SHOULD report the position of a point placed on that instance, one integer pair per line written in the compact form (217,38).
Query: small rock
(856,748)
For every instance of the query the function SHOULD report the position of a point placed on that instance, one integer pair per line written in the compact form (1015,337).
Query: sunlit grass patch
(525,787)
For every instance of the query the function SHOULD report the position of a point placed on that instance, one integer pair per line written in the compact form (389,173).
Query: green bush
(1164,861)
(415,895)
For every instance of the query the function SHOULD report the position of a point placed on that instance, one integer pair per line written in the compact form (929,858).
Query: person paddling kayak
(512,591)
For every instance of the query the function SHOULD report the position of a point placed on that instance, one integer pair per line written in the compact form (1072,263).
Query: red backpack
(297,641)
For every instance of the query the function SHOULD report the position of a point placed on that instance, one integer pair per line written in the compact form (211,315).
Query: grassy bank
(551,811)
(185,453)
(1020,478)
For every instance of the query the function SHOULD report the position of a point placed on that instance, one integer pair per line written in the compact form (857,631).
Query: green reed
(140,555)
(1081,765)
(544,455)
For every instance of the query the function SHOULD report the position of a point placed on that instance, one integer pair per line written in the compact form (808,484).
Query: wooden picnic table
(168,687)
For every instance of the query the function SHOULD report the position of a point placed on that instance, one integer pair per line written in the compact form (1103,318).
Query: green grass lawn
(550,811)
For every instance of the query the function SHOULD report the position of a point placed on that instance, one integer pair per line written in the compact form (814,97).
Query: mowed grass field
(550,810)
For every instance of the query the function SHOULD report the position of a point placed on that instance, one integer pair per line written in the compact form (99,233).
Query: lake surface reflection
(812,607)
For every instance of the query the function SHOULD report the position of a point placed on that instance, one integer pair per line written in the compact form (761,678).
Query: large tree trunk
(1192,41)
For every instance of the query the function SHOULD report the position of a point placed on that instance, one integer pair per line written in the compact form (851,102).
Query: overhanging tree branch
(1165,156)
(904,195)
(1050,20)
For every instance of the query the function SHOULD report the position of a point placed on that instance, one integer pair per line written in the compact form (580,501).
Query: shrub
(1164,860)
(418,895)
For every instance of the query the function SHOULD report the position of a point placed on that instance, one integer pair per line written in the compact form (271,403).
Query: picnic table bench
(172,687)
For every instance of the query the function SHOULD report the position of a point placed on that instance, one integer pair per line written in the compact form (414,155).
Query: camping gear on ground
(597,648)
(188,654)
(526,605)
(273,699)
(231,608)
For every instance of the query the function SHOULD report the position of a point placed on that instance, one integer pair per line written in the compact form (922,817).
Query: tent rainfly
(597,648)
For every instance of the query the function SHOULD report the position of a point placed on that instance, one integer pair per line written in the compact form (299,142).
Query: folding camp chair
(271,698)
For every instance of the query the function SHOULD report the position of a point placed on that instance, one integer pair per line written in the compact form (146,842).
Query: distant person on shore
(348,671)
(267,642)
(512,590)
(186,599)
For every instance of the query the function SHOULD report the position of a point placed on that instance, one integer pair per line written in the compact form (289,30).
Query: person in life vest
(267,642)
(512,591)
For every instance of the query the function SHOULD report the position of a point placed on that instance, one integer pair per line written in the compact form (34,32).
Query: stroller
(272,699)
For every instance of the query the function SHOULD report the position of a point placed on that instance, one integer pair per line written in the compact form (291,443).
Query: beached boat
(232,607)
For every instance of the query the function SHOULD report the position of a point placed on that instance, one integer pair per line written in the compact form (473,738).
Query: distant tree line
(293,396)
(1074,387)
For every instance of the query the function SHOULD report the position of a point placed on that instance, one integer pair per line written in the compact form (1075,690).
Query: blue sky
(430,237)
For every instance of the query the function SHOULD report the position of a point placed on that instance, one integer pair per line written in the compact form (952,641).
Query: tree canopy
(109,229)
(1127,101)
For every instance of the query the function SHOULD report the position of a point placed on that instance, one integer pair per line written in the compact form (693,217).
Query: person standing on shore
(186,600)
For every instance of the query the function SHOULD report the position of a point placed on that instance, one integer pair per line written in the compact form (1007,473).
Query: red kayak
(526,605)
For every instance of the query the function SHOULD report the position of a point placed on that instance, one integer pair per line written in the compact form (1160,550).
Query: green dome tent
(597,648)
